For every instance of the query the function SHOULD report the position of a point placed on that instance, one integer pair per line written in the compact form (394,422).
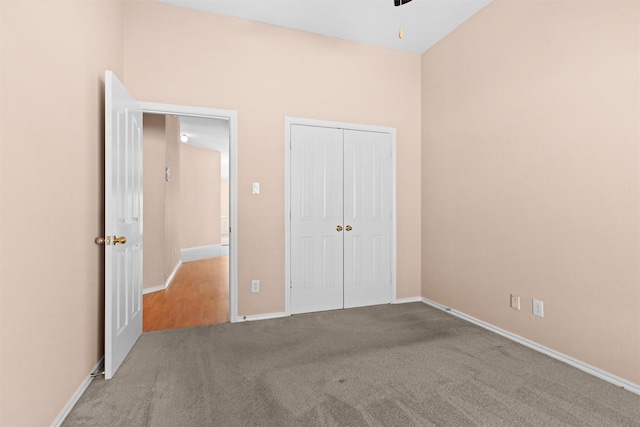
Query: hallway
(198,295)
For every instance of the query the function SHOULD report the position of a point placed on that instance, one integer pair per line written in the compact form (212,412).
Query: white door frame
(232,116)
(288,122)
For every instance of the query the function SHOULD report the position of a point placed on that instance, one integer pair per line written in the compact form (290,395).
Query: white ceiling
(374,22)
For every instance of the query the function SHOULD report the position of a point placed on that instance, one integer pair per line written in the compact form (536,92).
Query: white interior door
(341,204)
(316,219)
(123,223)
(367,217)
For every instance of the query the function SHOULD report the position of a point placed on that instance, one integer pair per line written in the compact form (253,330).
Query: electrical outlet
(538,308)
(515,302)
(255,286)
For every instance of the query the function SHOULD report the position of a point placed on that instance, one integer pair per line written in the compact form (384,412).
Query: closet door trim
(290,121)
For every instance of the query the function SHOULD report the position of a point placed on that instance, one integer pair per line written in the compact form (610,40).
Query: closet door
(367,218)
(316,219)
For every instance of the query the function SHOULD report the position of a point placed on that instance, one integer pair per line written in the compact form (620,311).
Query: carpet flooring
(390,365)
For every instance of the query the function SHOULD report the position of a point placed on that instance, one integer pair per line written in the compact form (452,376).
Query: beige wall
(530,175)
(199,197)
(266,73)
(154,163)
(172,196)
(224,204)
(51,199)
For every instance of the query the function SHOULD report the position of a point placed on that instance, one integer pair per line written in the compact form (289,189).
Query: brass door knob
(122,240)
(339,228)
(349,228)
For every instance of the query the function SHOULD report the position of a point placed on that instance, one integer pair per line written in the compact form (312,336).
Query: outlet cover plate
(538,307)
(255,286)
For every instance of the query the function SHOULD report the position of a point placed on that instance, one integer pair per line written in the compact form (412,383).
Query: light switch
(256,188)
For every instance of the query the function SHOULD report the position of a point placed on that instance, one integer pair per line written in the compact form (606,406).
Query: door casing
(288,122)
(232,116)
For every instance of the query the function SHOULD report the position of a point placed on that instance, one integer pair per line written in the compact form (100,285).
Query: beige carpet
(400,365)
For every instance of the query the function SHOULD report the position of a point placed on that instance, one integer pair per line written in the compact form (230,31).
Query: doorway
(186,221)
(210,260)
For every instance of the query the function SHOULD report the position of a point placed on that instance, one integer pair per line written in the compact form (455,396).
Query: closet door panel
(316,212)
(367,217)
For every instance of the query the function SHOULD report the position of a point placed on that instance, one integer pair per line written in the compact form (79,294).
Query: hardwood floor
(198,295)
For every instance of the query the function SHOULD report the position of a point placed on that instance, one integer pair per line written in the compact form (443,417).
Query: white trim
(77,395)
(154,289)
(203,252)
(287,215)
(166,284)
(337,125)
(394,228)
(265,316)
(585,367)
(169,280)
(288,122)
(407,300)
(232,116)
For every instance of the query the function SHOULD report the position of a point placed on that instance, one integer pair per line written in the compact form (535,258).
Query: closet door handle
(339,228)
(349,228)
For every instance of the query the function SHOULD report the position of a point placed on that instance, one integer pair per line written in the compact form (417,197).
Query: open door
(123,223)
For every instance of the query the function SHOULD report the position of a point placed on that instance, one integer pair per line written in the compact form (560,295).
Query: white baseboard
(166,284)
(154,289)
(76,396)
(203,252)
(585,367)
(406,300)
(261,317)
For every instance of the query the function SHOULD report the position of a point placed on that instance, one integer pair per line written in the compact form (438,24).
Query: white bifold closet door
(340,218)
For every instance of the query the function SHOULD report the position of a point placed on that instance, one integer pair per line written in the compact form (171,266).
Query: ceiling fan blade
(400,2)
